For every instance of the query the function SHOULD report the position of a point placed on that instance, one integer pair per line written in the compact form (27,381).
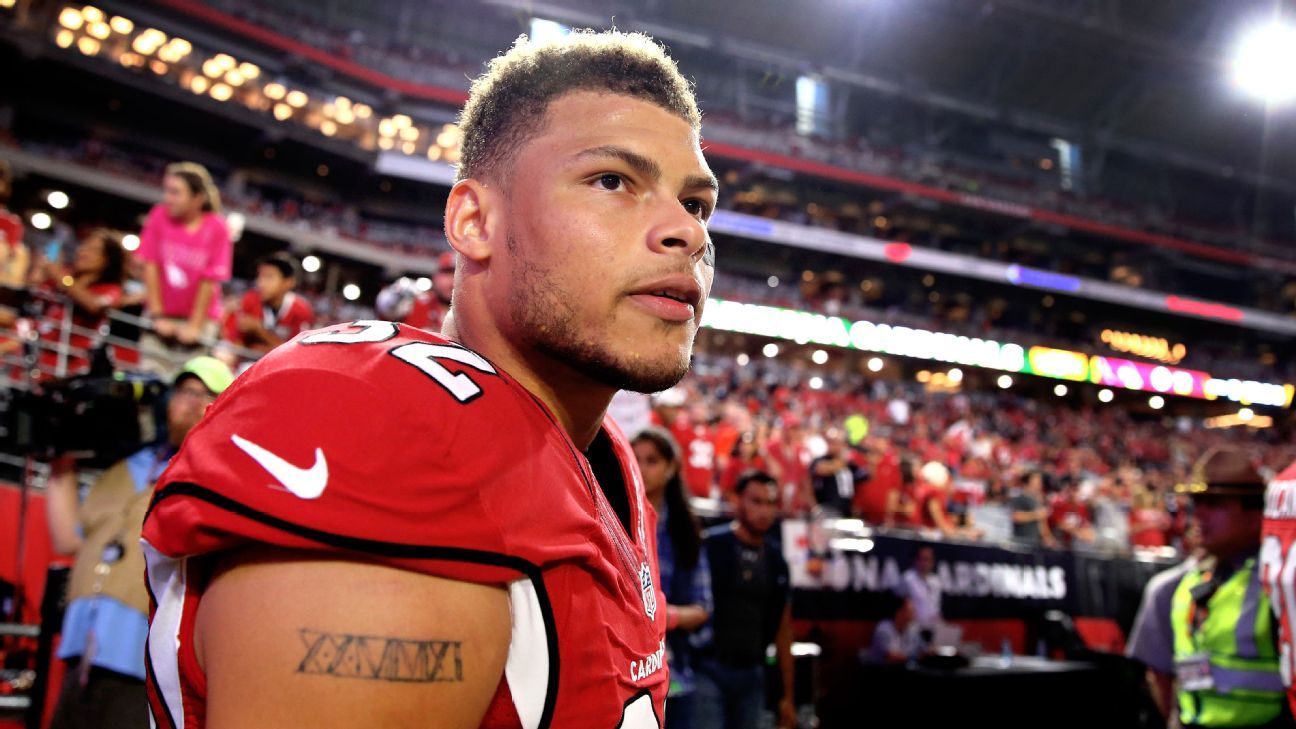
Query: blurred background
(1026,258)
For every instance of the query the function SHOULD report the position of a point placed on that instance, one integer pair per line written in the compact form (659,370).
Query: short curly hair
(506,101)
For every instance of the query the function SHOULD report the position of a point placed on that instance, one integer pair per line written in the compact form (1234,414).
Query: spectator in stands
(878,500)
(106,622)
(931,503)
(14,256)
(694,436)
(835,474)
(787,447)
(272,312)
(186,247)
(403,301)
(749,454)
(749,578)
(923,588)
(1030,516)
(896,640)
(1069,518)
(682,564)
(93,284)
(1148,519)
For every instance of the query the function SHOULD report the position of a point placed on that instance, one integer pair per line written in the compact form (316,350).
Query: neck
(657,500)
(276,302)
(747,536)
(578,402)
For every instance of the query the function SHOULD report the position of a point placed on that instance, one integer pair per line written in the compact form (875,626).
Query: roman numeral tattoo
(381,658)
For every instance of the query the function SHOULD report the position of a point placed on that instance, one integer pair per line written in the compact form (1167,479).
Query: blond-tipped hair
(199,180)
(506,105)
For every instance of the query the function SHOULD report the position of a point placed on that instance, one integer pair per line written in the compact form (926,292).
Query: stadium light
(402,121)
(411,134)
(743,360)
(296,99)
(221,92)
(121,25)
(434,153)
(875,364)
(423,283)
(819,357)
(1156,402)
(955,375)
(41,221)
(362,111)
(1263,62)
(311,264)
(57,199)
(1005,382)
(274,91)
(350,292)
(1060,390)
(328,128)
(1105,395)
(770,350)
(1246,415)
(87,45)
(408,148)
(772,281)
(282,112)
(387,128)
(92,14)
(199,84)
(65,38)
(816,383)
(71,19)
(249,70)
(234,77)
(131,242)
(99,31)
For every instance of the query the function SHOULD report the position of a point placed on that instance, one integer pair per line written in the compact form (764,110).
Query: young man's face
(606,209)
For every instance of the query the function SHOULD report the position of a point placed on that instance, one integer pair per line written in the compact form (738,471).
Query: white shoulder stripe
(527,667)
(166,577)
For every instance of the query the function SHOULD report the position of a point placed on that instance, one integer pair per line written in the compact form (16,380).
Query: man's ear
(472,211)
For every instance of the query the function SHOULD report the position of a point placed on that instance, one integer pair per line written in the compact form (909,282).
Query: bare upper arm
(291,639)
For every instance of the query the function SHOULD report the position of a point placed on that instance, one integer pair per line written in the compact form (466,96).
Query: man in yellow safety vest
(1226,669)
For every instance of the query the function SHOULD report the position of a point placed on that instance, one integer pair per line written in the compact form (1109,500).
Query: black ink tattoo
(381,658)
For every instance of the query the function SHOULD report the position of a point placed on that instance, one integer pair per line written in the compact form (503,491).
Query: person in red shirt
(877,500)
(1070,519)
(931,501)
(695,438)
(402,300)
(14,256)
(749,454)
(271,313)
(188,253)
(378,526)
(1149,522)
(92,285)
(787,448)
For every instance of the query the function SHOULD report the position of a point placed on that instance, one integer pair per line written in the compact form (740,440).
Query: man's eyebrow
(647,167)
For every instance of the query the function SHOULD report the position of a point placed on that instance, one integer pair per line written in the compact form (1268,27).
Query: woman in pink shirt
(186,248)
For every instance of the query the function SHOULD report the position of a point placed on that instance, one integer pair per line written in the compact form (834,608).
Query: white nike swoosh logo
(304,483)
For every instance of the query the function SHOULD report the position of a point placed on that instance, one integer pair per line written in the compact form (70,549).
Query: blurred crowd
(991,465)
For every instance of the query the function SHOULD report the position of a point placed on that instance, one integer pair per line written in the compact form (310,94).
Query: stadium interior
(984,243)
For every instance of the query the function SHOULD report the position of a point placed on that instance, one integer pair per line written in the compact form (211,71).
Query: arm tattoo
(381,658)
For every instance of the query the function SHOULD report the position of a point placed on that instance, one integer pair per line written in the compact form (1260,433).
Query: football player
(381,527)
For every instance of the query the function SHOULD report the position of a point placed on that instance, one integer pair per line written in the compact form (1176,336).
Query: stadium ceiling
(1147,78)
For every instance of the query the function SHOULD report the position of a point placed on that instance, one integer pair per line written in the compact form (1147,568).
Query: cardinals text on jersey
(356,438)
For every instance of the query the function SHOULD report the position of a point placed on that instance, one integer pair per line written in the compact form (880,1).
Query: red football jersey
(430,459)
(1278,567)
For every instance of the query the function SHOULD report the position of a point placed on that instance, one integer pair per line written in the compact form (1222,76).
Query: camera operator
(106,623)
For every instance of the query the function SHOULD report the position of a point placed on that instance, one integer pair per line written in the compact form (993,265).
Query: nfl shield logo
(649,594)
